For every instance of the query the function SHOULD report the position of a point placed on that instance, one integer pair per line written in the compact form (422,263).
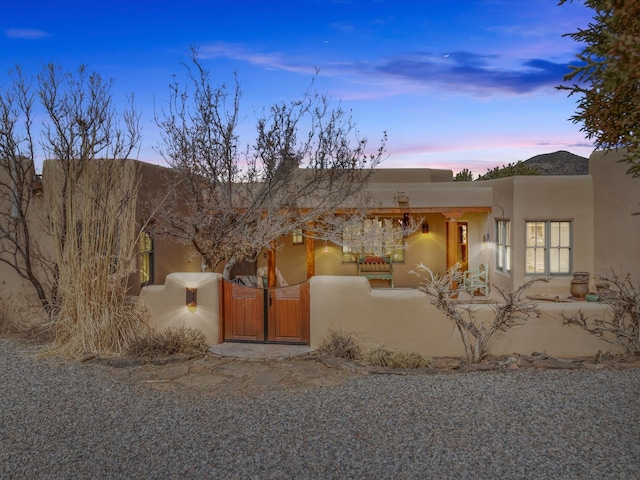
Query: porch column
(452,237)
(310,246)
(271,266)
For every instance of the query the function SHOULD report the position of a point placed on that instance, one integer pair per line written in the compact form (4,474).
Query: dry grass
(17,317)
(383,356)
(94,228)
(341,344)
(167,342)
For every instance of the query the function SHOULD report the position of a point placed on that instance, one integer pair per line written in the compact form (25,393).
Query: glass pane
(535,260)
(531,260)
(145,268)
(554,260)
(555,234)
(535,234)
(564,261)
(507,258)
(507,235)
(565,234)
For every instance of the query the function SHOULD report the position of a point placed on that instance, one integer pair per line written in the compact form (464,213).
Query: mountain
(559,163)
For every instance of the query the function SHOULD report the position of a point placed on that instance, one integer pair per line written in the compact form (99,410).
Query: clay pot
(579,289)
(581,277)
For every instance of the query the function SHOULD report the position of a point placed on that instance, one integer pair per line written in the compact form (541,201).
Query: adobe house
(521,227)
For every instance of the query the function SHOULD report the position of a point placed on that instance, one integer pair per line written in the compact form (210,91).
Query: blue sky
(454,83)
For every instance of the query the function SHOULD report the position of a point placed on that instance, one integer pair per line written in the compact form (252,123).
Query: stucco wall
(400,318)
(406,319)
(616,200)
(540,198)
(166,303)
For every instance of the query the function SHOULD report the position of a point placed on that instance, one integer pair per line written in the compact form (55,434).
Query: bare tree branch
(306,163)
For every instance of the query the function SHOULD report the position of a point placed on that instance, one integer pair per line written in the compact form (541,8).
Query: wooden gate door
(274,315)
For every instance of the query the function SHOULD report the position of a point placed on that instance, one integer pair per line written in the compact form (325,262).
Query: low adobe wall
(406,319)
(400,318)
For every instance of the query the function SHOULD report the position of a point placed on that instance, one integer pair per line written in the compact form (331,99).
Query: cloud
(475,73)
(26,33)
(458,72)
(272,60)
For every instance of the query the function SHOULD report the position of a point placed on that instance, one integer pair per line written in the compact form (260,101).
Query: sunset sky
(455,84)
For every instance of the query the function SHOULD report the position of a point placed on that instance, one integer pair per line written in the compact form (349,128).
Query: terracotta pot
(579,289)
(581,277)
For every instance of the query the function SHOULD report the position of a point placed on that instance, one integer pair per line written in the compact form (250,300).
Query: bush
(170,341)
(383,356)
(15,317)
(340,344)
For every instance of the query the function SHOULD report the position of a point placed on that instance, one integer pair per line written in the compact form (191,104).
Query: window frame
(297,236)
(503,245)
(546,247)
(371,247)
(149,254)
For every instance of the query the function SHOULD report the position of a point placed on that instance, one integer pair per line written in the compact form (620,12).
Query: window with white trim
(548,247)
(503,246)
(377,236)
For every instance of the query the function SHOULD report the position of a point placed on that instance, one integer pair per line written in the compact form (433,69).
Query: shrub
(383,356)
(475,334)
(17,317)
(341,344)
(623,327)
(170,341)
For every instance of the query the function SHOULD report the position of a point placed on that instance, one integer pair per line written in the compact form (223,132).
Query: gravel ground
(66,421)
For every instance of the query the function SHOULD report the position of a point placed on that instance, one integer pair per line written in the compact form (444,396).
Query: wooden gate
(265,315)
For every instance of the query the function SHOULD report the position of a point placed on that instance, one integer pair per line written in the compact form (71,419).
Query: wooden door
(243,312)
(274,315)
(288,314)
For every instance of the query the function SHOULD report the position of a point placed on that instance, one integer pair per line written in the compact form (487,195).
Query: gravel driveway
(65,421)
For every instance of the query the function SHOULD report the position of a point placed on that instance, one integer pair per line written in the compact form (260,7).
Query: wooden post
(271,266)
(452,237)
(310,247)
(310,244)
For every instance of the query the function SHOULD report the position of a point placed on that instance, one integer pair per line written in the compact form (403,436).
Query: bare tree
(623,327)
(475,334)
(19,246)
(306,163)
(88,211)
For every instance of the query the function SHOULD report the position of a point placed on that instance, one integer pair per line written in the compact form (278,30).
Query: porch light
(191,299)
(326,247)
(425,228)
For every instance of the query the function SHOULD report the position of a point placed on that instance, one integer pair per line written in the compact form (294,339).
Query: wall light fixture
(191,299)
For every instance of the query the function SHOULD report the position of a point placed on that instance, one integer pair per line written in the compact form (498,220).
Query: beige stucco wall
(616,200)
(530,198)
(166,303)
(406,319)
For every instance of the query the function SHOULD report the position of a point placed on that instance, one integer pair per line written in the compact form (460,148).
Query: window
(548,248)
(377,236)
(296,236)
(503,246)
(146,259)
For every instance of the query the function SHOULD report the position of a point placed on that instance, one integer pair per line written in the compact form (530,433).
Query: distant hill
(559,163)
